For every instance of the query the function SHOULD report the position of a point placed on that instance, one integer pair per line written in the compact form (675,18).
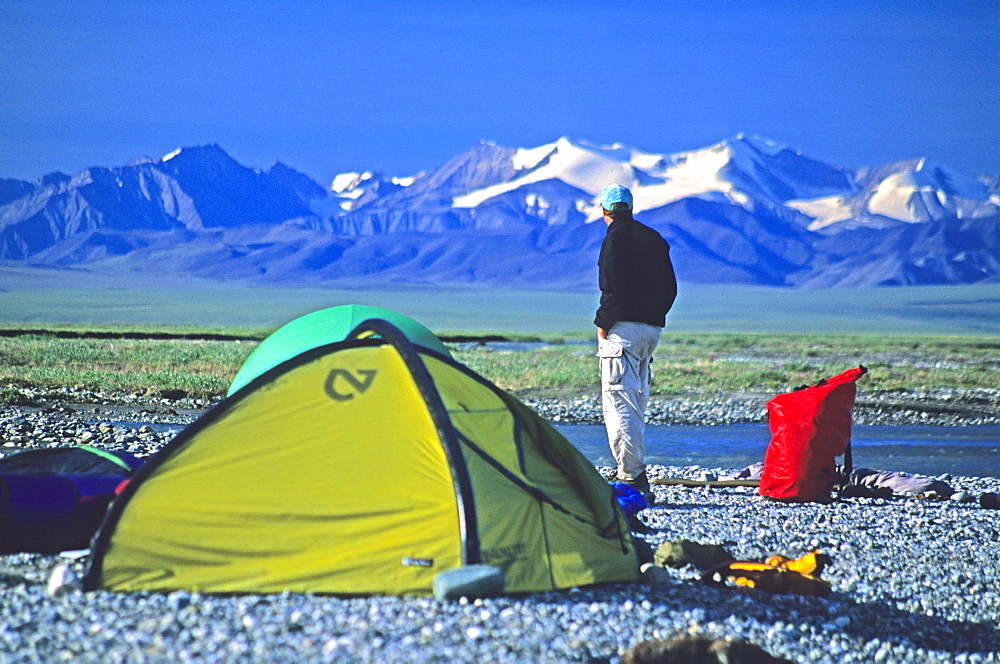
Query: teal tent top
(322,327)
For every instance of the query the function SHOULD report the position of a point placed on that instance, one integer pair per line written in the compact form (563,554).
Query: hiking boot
(641,484)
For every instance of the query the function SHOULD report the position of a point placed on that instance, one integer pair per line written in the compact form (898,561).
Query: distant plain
(36,296)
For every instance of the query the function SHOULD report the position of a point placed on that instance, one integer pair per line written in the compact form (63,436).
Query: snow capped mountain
(581,166)
(745,210)
(910,192)
(352,190)
(931,191)
(748,171)
(738,171)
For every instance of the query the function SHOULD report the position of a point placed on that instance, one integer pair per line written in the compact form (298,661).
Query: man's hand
(602,333)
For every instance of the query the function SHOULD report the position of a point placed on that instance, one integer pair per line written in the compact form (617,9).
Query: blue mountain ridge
(509,217)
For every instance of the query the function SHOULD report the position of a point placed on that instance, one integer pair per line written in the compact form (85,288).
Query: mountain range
(747,210)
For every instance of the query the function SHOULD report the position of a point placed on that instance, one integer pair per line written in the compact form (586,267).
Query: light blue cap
(615,193)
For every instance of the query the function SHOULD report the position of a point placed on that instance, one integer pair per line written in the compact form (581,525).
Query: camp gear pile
(854,483)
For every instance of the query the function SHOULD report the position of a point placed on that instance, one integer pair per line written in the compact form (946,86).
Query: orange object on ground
(778,575)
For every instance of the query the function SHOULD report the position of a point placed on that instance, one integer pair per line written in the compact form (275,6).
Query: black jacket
(635,275)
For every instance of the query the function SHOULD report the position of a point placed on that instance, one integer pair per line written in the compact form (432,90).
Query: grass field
(718,338)
(701,365)
(946,310)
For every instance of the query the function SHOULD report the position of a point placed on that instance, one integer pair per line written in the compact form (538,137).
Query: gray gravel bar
(914,580)
(941,407)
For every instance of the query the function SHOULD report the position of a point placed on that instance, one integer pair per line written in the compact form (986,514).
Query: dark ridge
(70,334)
(483,338)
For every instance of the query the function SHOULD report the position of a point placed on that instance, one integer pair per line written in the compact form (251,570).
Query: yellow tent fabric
(363,467)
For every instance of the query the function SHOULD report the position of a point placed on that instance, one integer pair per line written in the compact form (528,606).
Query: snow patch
(655,179)
(930,191)
(345,182)
(348,184)
(762,145)
(536,202)
(526,158)
(171,155)
(587,168)
(824,211)
(896,197)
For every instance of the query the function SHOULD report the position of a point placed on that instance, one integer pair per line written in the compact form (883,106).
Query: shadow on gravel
(689,506)
(868,620)
(8,580)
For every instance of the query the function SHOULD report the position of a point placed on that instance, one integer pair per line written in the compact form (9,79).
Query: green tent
(366,466)
(324,327)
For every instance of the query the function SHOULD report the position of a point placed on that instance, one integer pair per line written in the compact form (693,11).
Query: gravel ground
(943,407)
(914,580)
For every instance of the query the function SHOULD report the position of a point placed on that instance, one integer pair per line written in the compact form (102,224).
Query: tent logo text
(351,383)
(418,562)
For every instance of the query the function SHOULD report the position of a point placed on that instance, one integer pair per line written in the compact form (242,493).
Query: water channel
(920,450)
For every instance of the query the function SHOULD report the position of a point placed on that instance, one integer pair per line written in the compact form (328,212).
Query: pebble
(913,580)
(62,580)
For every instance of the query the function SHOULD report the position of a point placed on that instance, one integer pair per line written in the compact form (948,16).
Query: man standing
(638,288)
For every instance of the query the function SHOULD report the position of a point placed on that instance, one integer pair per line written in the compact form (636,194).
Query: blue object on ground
(53,499)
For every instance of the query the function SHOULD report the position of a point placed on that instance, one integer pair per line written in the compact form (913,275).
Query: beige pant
(625,358)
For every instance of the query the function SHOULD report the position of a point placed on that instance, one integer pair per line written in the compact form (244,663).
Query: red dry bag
(809,428)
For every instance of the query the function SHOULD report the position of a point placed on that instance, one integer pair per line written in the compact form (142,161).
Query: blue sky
(329,86)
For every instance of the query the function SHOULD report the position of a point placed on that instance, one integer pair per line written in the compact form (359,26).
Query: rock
(654,575)
(688,649)
(681,552)
(63,580)
(469,581)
